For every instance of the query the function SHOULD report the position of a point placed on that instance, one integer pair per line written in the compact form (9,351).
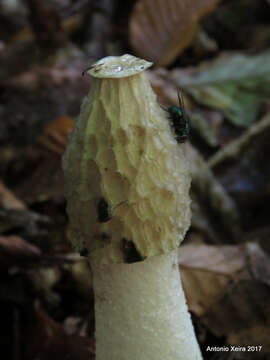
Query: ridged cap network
(126,178)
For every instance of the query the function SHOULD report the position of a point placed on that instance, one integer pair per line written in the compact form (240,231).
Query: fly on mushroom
(179,120)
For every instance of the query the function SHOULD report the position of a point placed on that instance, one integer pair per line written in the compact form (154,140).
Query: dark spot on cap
(131,254)
(102,211)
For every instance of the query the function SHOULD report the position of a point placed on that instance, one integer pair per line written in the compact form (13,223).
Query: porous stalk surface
(141,313)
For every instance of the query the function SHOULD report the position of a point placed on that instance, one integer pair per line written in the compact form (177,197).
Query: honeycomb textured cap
(118,66)
(126,178)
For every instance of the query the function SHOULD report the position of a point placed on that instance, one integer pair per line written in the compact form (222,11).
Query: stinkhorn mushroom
(127,189)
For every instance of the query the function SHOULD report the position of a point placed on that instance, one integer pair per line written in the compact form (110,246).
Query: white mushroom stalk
(127,188)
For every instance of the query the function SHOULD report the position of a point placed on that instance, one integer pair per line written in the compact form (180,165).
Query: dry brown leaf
(242,315)
(69,25)
(259,263)
(44,339)
(207,271)
(55,136)
(225,286)
(161,30)
(16,251)
(8,200)
(46,181)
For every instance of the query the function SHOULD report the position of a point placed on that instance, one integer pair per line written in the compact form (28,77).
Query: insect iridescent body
(179,120)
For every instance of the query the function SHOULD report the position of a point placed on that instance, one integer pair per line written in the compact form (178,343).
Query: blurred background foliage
(218,53)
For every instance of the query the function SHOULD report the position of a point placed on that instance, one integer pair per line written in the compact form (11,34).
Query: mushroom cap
(118,66)
(126,177)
